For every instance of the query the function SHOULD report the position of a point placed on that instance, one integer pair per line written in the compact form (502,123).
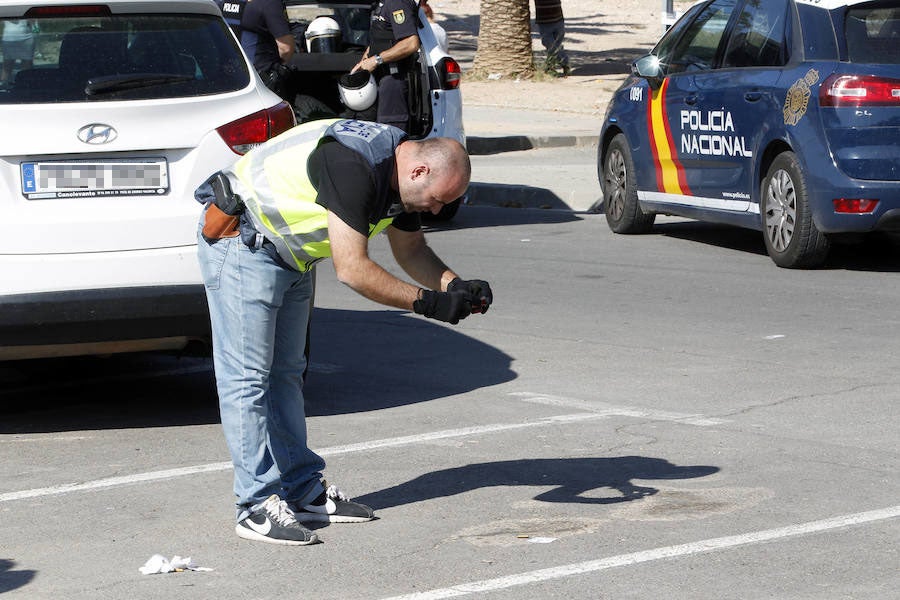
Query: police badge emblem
(798,97)
(399,17)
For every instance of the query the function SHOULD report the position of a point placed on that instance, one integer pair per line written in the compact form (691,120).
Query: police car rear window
(819,42)
(118,57)
(873,34)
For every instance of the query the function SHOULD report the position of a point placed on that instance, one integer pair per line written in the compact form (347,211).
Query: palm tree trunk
(504,39)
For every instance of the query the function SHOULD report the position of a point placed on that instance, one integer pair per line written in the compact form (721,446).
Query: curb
(485,145)
(524,196)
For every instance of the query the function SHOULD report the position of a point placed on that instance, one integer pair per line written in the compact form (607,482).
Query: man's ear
(419,170)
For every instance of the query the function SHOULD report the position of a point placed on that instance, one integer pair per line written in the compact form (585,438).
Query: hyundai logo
(97,133)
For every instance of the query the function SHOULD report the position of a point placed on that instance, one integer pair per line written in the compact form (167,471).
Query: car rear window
(818,33)
(873,33)
(118,57)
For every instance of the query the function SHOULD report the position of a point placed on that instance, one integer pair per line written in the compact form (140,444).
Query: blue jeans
(259,311)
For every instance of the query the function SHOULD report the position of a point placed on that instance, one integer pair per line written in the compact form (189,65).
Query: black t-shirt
(268,20)
(346,186)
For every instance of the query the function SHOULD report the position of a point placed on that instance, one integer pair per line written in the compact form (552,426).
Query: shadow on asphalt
(493,215)
(517,196)
(120,391)
(381,359)
(711,234)
(361,360)
(877,252)
(573,478)
(11,579)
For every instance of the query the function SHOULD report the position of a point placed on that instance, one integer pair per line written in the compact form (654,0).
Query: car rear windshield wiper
(116,83)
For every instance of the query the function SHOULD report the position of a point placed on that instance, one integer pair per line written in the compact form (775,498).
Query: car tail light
(82,10)
(450,73)
(253,130)
(854,205)
(859,90)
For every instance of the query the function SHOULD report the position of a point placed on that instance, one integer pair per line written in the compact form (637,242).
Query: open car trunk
(313,83)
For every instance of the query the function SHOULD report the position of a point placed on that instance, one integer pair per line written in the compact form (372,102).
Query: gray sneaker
(333,506)
(274,522)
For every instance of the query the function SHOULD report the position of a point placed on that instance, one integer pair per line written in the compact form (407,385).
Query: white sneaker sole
(314,517)
(249,534)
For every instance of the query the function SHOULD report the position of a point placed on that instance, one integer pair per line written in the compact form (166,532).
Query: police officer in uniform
(391,55)
(265,34)
(319,190)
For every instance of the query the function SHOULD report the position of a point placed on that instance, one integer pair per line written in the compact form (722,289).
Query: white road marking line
(634,558)
(109,482)
(332,451)
(604,408)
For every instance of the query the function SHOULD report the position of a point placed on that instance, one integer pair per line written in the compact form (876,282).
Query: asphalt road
(667,415)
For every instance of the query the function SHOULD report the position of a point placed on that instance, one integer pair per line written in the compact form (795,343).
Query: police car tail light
(451,74)
(859,90)
(854,205)
(253,130)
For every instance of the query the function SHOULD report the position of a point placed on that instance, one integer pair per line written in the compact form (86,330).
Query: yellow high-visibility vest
(279,197)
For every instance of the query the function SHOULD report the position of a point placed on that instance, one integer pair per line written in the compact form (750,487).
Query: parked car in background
(776,115)
(435,98)
(124,109)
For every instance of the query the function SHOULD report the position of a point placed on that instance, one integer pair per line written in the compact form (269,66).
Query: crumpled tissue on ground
(160,564)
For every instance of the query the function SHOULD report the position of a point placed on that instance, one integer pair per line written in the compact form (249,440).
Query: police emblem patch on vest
(399,17)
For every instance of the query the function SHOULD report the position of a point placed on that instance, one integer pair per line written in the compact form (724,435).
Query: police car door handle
(752,96)
(691,100)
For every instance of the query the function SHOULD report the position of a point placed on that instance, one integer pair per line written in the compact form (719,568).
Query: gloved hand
(449,307)
(479,292)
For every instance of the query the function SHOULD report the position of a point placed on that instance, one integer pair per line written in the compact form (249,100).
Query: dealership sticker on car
(86,179)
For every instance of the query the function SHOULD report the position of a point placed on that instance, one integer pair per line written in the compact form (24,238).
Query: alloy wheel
(616,180)
(781,210)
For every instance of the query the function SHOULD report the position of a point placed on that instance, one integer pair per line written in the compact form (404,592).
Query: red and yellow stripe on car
(670,177)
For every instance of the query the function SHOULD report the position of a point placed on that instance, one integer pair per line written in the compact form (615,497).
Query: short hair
(443,153)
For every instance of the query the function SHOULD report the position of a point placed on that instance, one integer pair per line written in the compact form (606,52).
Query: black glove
(449,307)
(479,292)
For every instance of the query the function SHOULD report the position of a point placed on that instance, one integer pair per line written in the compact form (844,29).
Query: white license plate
(85,179)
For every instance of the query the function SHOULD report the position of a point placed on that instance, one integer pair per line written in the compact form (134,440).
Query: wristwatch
(378,59)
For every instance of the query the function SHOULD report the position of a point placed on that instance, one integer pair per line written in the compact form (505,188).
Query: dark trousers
(393,106)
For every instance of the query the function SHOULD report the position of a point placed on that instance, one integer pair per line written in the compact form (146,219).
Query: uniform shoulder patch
(399,16)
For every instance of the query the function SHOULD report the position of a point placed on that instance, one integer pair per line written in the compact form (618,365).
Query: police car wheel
(620,202)
(792,239)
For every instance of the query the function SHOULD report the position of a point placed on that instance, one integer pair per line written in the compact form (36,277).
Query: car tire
(792,240)
(620,201)
(447,212)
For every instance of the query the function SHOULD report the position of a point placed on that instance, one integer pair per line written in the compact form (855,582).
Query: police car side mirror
(649,68)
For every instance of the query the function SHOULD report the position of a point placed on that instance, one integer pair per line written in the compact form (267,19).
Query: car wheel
(792,239)
(447,212)
(620,202)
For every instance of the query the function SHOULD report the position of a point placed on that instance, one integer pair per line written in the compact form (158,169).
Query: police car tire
(620,201)
(792,241)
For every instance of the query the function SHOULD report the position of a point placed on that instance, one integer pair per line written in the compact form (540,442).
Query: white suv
(112,114)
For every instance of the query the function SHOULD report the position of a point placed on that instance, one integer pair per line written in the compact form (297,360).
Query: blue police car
(776,115)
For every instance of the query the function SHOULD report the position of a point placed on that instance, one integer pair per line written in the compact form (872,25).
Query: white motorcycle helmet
(323,35)
(358,90)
